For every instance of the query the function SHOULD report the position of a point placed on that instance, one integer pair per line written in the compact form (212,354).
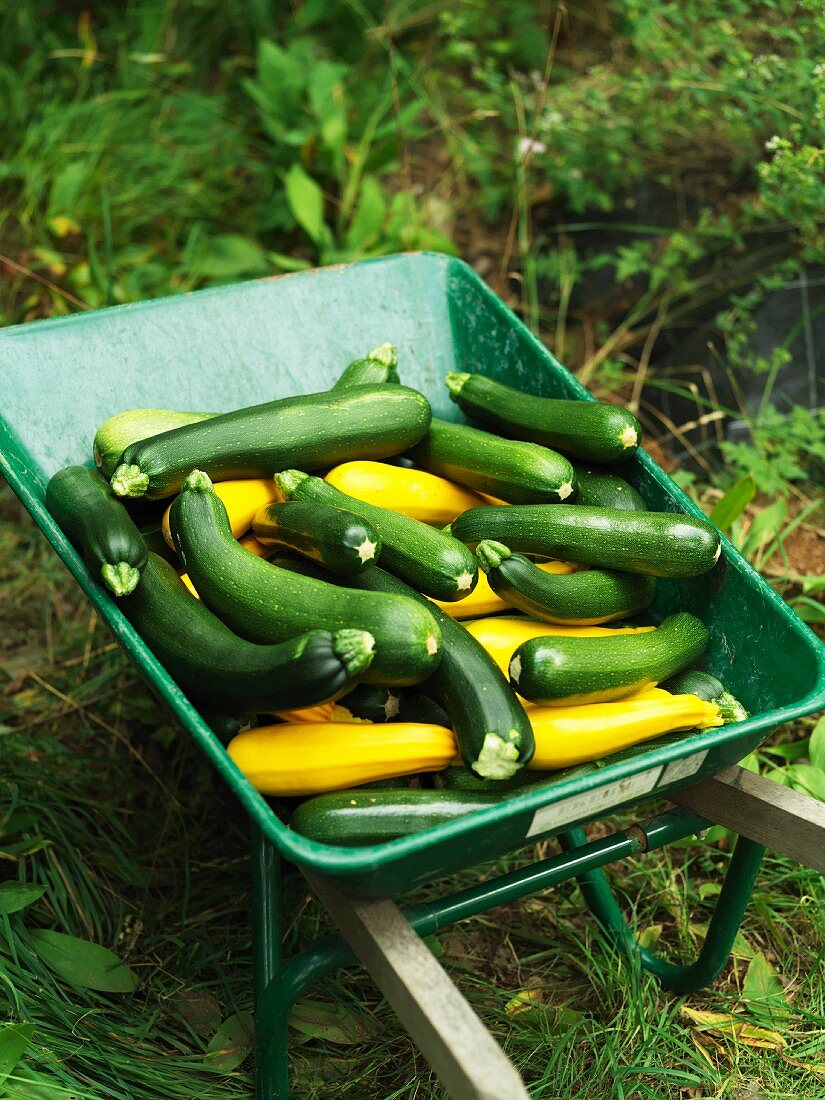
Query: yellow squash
(502,636)
(309,757)
(242,499)
(483,600)
(413,493)
(575,735)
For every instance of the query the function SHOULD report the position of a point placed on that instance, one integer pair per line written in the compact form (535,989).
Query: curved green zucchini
(118,432)
(372,816)
(601,489)
(521,473)
(416,706)
(586,598)
(267,604)
(663,544)
(588,430)
(375,702)
(340,541)
(707,687)
(379,367)
(94,519)
(558,671)
(428,559)
(494,735)
(215,666)
(314,431)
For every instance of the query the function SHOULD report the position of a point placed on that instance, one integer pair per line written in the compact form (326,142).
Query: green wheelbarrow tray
(238,345)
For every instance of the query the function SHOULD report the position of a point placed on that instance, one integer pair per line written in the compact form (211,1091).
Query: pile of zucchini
(357,593)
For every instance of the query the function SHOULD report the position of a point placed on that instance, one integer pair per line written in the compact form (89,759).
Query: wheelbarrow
(243,344)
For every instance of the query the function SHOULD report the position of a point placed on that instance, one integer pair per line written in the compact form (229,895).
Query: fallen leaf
(14,1038)
(650,935)
(199,1009)
(735,1027)
(231,1044)
(764,994)
(82,963)
(523,1001)
(15,896)
(332,1023)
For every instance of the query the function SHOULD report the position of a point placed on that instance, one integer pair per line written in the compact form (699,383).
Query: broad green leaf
(807,779)
(306,201)
(199,1009)
(330,1022)
(766,526)
(67,188)
(82,963)
(734,1027)
(14,1038)
(763,992)
(816,746)
(733,503)
(289,263)
(231,1044)
(369,215)
(15,896)
(809,611)
(229,256)
(650,935)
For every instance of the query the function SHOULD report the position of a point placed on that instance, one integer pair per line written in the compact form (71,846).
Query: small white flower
(530,147)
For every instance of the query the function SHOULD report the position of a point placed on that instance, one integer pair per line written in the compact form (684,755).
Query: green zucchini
(378,367)
(267,604)
(416,706)
(571,671)
(662,544)
(457,778)
(707,687)
(590,430)
(601,489)
(217,667)
(226,726)
(152,534)
(586,598)
(315,431)
(428,559)
(340,541)
(372,816)
(374,702)
(94,519)
(521,473)
(492,730)
(115,434)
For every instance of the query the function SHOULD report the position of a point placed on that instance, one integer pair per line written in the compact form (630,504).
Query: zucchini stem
(385,354)
(199,482)
(498,758)
(129,481)
(355,649)
(121,578)
(288,481)
(491,554)
(455,382)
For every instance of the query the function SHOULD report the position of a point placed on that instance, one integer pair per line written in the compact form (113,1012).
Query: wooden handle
(463,1053)
(781,819)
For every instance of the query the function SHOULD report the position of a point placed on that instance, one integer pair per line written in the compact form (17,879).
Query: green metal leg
(724,924)
(278,987)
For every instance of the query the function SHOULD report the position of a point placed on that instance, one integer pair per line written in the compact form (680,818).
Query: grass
(140,849)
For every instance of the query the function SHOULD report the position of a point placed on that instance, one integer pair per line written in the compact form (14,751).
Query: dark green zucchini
(378,367)
(215,666)
(588,430)
(492,730)
(374,702)
(662,544)
(571,671)
(521,473)
(415,706)
(267,604)
(372,816)
(707,687)
(314,431)
(457,778)
(586,598)
(431,561)
(601,489)
(340,541)
(152,534)
(84,506)
(226,726)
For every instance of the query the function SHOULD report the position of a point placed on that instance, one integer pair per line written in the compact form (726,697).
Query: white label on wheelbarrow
(586,806)
(682,769)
